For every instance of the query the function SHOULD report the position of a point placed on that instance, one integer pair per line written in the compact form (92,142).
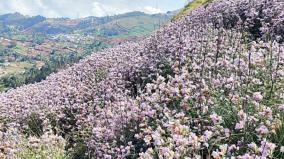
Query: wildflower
(215,118)
(262,130)
(267,113)
(208,135)
(216,82)
(107,156)
(257,96)
(235,99)
(281,108)
(216,155)
(282,149)
(223,149)
(253,146)
(147,155)
(246,156)
(242,114)
(232,148)
(148,139)
(157,138)
(266,148)
(167,152)
(240,125)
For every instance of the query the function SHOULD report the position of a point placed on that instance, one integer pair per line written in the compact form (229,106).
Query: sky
(85,8)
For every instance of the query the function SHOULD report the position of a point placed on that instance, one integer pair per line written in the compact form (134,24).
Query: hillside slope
(209,85)
(191,6)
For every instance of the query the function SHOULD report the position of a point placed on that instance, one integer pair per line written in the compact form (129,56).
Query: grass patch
(14,68)
(191,6)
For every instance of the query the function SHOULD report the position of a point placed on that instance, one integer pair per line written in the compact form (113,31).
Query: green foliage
(12,81)
(80,150)
(34,125)
(41,148)
(191,6)
(279,138)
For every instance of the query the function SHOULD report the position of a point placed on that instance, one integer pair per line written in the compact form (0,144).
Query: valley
(45,45)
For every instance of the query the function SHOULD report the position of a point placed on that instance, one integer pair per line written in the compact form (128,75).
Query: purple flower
(240,125)
(282,149)
(262,130)
(257,96)
(281,108)
(215,118)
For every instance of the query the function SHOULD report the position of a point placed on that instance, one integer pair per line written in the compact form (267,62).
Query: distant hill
(129,23)
(11,17)
(19,21)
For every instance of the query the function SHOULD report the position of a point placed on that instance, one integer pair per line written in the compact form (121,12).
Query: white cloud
(83,8)
(99,9)
(152,10)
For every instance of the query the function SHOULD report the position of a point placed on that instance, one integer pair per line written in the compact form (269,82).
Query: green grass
(2,87)
(20,49)
(14,68)
(191,6)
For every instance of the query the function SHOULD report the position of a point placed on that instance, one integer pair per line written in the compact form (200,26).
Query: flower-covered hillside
(210,85)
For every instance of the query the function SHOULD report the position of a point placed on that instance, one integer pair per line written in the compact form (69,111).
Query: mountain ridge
(38,23)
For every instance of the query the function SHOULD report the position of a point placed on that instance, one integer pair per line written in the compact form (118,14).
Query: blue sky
(84,8)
